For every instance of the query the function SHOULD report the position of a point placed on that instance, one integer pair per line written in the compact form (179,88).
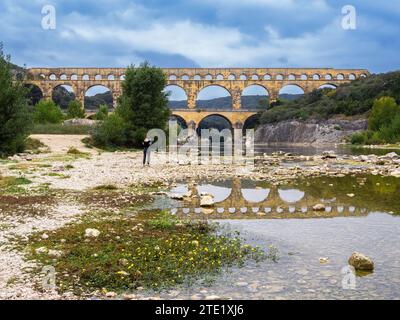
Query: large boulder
(395,173)
(206,200)
(319,207)
(361,262)
(80,122)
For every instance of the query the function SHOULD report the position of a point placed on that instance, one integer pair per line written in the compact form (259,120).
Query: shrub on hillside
(383,112)
(75,110)
(46,111)
(383,122)
(348,99)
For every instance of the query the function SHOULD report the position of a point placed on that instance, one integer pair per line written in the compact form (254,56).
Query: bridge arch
(214,121)
(63,94)
(316,77)
(181,121)
(97,95)
(255,195)
(291,91)
(291,195)
(340,76)
(251,122)
(255,96)
(304,77)
(214,94)
(35,93)
(328,86)
(177,97)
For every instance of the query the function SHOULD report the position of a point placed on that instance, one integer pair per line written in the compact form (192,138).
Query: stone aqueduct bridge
(192,81)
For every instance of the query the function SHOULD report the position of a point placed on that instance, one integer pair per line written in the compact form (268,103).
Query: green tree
(75,110)
(102,114)
(15,121)
(142,106)
(143,103)
(383,112)
(46,111)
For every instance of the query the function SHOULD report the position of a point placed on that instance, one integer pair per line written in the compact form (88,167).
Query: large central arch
(214,121)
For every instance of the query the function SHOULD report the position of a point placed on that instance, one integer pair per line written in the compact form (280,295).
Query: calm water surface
(360,215)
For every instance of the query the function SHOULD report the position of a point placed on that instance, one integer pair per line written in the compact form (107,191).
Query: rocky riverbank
(313,132)
(43,192)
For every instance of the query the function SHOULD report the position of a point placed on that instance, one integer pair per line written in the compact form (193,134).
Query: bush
(15,120)
(110,133)
(75,110)
(102,114)
(383,112)
(359,138)
(384,124)
(46,111)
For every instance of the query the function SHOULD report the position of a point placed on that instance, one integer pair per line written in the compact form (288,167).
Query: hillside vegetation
(355,98)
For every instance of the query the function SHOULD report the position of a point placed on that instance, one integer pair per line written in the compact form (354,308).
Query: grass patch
(88,142)
(152,251)
(60,129)
(106,187)
(34,145)
(75,151)
(12,185)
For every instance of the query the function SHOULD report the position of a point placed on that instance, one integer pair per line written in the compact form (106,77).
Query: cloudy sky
(203,33)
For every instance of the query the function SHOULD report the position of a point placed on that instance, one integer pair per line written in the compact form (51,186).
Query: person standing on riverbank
(146,151)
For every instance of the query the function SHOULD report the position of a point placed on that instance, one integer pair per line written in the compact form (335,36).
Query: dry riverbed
(47,199)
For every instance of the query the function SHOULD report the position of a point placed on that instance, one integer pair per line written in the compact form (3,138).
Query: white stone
(92,233)
(55,253)
(41,250)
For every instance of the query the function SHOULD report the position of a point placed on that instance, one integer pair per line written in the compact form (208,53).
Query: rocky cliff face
(308,132)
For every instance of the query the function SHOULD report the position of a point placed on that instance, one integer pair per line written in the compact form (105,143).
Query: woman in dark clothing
(146,151)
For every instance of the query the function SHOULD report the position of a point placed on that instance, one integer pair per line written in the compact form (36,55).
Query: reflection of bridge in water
(273,202)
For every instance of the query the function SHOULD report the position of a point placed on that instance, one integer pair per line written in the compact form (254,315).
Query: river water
(361,214)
